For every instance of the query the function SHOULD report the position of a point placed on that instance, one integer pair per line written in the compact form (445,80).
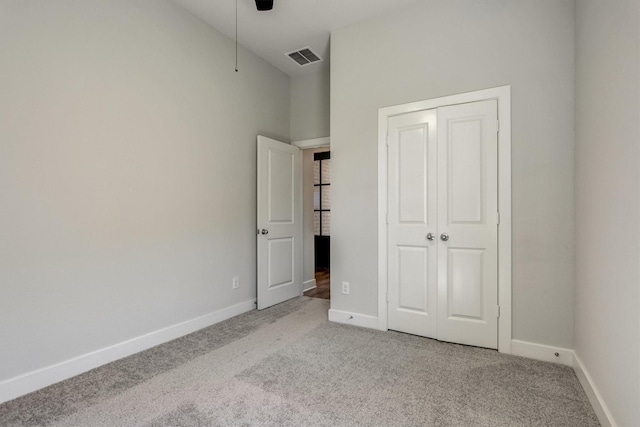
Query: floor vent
(304,56)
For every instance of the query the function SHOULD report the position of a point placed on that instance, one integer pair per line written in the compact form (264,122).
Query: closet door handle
(431,237)
(444,237)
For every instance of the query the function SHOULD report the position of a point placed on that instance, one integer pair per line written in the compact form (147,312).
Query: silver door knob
(264,231)
(431,237)
(444,237)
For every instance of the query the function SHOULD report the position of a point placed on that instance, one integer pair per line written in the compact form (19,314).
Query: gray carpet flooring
(289,366)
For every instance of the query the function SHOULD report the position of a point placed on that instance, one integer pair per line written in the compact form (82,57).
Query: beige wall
(607,318)
(444,47)
(310,105)
(127,173)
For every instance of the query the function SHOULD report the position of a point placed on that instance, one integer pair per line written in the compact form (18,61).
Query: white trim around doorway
(503,96)
(313,143)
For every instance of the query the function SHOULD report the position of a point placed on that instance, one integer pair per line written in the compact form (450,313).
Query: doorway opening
(317,207)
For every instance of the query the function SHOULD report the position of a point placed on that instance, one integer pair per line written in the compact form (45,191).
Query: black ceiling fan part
(264,4)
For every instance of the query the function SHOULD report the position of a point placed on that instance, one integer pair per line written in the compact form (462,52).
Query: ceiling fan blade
(264,4)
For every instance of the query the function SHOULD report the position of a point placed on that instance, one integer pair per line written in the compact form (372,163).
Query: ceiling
(292,24)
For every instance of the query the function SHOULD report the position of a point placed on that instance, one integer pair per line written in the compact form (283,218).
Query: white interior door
(442,223)
(468,224)
(412,180)
(279,222)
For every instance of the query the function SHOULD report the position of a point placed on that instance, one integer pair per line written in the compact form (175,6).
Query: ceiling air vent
(304,56)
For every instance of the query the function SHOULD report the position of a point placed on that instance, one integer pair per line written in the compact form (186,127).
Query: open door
(279,216)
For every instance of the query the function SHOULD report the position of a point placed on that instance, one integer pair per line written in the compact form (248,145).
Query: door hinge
(497,125)
(498,312)
(387,218)
(498,218)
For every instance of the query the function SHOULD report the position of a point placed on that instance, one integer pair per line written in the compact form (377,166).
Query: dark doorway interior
(322,252)
(322,223)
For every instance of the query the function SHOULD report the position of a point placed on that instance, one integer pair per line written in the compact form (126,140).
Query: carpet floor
(289,366)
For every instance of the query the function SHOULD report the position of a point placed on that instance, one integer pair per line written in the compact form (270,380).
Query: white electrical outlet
(345,288)
(236,282)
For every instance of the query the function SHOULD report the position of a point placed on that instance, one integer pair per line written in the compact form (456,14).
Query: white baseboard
(308,285)
(542,352)
(600,408)
(35,380)
(353,319)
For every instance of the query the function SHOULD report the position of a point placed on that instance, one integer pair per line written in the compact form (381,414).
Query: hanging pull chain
(236,36)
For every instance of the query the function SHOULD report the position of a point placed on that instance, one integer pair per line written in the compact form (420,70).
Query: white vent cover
(304,56)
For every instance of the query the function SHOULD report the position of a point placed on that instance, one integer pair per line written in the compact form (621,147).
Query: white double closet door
(442,224)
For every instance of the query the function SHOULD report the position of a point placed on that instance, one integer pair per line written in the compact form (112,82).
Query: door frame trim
(502,95)
(305,144)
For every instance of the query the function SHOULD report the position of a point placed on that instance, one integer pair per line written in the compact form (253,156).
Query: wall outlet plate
(345,288)
(236,282)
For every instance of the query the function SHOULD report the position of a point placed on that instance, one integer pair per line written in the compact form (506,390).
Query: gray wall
(607,318)
(443,47)
(310,105)
(309,120)
(127,173)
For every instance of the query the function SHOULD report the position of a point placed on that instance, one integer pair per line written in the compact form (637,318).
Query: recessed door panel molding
(465,166)
(465,291)
(281,262)
(413,280)
(281,167)
(279,227)
(413,159)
